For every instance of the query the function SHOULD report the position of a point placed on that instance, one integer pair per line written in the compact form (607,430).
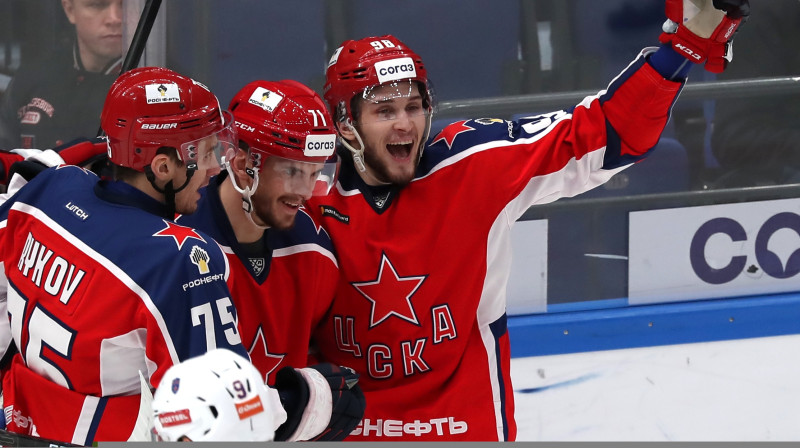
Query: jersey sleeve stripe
(301,248)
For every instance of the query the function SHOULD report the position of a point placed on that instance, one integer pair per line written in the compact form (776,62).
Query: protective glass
(303,178)
(212,152)
(398,100)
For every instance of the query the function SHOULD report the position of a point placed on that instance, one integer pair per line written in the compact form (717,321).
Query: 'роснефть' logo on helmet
(265,99)
(162,93)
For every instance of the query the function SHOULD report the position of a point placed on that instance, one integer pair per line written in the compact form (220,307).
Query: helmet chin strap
(247,193)
(358,154)
(168,191)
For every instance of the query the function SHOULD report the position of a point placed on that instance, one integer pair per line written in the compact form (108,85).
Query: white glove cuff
(317,414)
(48,157)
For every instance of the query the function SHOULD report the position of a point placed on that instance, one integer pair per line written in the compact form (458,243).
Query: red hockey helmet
(151,107)
(360,65)
(286,119)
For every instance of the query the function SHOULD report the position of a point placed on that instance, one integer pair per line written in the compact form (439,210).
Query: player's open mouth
(293,205)
(400,150)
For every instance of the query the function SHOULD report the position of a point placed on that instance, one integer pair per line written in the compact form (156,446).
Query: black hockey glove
(323,402)
(28,169)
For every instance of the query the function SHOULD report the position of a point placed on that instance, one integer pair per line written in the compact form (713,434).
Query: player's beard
(383,170)
(271,216)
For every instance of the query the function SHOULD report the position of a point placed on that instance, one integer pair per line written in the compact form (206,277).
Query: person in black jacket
(58,97)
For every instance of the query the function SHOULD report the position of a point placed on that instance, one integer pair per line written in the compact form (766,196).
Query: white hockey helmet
(218,396)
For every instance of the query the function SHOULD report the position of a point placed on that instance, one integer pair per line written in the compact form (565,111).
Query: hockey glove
(703,30)
(80,152)
(83,152)
(28,169)
(322,402)
(33,162)
(347,399)
(7,158)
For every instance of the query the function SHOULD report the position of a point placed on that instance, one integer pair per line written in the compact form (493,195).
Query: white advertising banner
(527,285)
(714,251)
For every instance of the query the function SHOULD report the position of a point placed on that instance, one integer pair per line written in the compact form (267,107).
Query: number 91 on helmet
(217,396)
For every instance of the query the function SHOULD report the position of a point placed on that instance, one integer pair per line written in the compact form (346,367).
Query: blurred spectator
(58,96)
(757,140)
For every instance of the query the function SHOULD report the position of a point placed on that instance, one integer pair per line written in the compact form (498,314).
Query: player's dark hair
(355,108)
(125,174)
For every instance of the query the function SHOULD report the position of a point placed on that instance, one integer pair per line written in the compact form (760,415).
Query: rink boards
(624,274)
(619,326)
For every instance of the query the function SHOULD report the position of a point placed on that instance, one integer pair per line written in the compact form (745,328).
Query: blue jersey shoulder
(460,136)
(304,231)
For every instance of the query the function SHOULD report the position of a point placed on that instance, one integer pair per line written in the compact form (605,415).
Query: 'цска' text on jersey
(420,306)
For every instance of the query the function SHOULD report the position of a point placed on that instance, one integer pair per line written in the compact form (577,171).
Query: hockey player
(422,228)
(98,282)
(282,263)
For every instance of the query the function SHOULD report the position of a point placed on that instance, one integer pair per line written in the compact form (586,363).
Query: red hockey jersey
(420,305)
(281,292)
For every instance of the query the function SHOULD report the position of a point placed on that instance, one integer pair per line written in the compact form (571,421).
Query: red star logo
(264,361)
(179,233)
(449,133)
(390,294)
